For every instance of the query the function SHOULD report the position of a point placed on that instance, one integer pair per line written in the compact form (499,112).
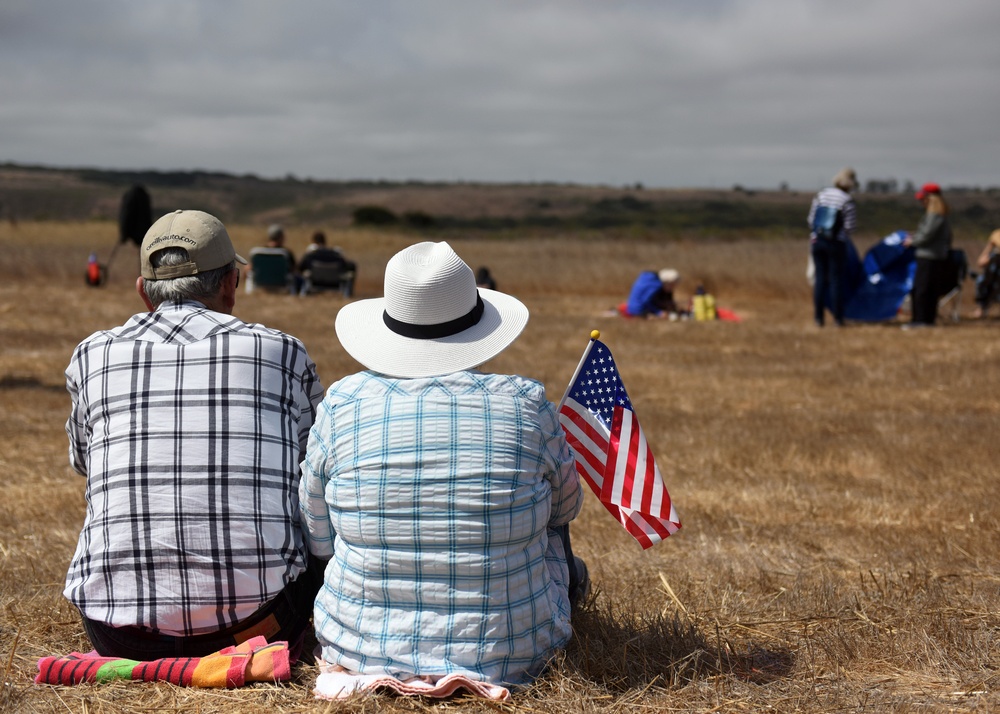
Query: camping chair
(329,275)
(958,265)
(269,269)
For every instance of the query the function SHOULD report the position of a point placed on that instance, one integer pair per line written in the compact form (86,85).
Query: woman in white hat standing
(441,494)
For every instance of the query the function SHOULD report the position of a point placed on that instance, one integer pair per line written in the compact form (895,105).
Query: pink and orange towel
(335,682)
(252,661)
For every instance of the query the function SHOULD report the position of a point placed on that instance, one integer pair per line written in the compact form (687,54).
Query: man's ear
(140,287)
(228,290)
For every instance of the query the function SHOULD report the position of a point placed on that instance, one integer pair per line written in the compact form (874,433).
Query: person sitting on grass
(189,425)
(652,295)
(441,493)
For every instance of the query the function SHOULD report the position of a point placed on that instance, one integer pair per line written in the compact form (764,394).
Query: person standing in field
(135,215)
(189,425)
(832,221)
(932,244)
(442,494)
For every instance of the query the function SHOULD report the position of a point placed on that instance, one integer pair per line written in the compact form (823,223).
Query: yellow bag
(703,305)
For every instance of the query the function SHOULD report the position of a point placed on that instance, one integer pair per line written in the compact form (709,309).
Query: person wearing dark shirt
(319,253)
(484,278)
(932,244)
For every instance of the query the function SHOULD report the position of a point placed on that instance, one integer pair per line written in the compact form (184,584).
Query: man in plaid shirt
(189,425)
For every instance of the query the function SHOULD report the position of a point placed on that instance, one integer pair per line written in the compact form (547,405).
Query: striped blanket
(255,660)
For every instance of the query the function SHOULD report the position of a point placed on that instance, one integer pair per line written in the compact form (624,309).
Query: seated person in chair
(326,268)
(273,266)
(988,280)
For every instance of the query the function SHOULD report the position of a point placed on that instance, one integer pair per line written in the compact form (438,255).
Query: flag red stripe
(649,477)
(635,432)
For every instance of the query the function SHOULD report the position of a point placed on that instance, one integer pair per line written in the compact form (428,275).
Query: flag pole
(594,335)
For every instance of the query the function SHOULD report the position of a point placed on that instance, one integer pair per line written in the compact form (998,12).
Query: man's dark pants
(286,618)
(928,287)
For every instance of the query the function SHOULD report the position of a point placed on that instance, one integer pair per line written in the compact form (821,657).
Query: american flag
(612,455)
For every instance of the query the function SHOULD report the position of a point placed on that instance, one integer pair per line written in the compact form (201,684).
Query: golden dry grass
(841,539)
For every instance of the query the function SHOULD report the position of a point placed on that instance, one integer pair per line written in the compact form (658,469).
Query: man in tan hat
(189,425)
(442,492)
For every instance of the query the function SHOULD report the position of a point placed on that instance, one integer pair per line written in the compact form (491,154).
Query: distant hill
(41,193)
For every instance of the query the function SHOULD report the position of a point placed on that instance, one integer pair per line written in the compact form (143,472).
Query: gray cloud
(712,93)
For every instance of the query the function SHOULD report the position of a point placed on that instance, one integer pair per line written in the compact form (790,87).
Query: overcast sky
(672,93)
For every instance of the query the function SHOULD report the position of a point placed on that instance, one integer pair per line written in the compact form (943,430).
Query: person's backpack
(827,222)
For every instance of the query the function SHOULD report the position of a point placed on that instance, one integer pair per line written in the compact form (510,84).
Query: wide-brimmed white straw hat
(432,320)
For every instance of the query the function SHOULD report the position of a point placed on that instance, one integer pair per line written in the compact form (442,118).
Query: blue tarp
(875,288)
(878,285)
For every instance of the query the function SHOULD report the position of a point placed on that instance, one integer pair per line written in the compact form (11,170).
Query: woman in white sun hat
(441,494)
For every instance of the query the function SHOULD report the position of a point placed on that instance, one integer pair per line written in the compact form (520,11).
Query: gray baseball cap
(202,235)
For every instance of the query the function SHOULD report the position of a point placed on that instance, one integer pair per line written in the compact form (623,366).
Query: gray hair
(200,286)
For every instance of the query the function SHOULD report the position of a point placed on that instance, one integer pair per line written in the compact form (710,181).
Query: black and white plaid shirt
(189,425)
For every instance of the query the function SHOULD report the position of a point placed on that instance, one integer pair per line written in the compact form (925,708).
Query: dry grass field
(840,548)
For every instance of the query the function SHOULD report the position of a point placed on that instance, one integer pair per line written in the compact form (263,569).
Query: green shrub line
(631,213)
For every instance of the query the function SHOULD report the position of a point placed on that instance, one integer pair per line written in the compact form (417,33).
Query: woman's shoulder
(514,384)
(373,384)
